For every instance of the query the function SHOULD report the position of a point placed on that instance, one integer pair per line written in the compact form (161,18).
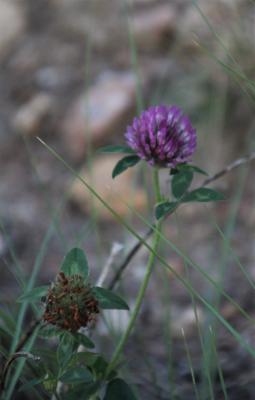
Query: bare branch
(229,168)
(207,181)
(136,247)
(127,260)
(116,250)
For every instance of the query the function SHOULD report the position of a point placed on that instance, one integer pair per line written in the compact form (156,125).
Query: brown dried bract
(70,303)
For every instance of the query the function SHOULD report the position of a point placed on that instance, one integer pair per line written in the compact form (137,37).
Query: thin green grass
(223,272)
(19,366)
(19,274)
(181,254)
(186,284)
(24,306)
(167,327)
(234,71)
(191,368)
(231,251)
(190,262)
(206,369)
(16,269)
(140,102)
(133,56)
(223,266)
(88,152)
(217,287)
(29,286)
(41,187)
(217,362)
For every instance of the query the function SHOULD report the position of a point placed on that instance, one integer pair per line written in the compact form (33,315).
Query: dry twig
(138,244)
(133,251)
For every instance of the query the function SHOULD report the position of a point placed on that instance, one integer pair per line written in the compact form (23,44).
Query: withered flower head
(70,303)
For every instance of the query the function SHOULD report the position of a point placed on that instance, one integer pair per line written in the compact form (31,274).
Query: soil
(62,50)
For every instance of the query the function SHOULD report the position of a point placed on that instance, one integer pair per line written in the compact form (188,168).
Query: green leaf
(30,384)
(164,208)
(109,300)
(181,182)
(75,262)
(3,351)
(8,321)
(77,375)
(34,294)
(5,333)
(85,357)
(82,391)
(116,149)
(192,168)
(84,340)
(118,389)
(49,331)
(50,384)
(7,318)
(65,349)
(125,163)
(100,367)
(203,195)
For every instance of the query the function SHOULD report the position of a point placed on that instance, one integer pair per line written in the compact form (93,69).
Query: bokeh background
(74,73)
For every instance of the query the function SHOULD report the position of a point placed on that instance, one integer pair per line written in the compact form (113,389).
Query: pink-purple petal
(162,136)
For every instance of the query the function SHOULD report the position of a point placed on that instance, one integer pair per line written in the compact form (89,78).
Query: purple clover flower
(163,136)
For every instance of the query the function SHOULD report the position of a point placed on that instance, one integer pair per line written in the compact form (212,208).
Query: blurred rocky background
(74,73)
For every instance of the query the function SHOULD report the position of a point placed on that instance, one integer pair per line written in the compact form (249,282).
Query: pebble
(12,25)
(186,321)
(100,114)
(154,28)
(30,118)
(114,192)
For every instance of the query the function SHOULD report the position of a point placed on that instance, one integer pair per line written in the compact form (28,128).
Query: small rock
(186,320)
(114,192)
(54,77)
(66,3)
(82,20)
(142,2)
(177,267)
(3,245)
(193,27)
(30,117)
(117,320)
(101,113)
(5,137)
(154,28)
(12,25)
(229,311)
(82,25)
(190,210)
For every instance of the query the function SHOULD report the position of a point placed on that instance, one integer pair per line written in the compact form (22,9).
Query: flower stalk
(149,268)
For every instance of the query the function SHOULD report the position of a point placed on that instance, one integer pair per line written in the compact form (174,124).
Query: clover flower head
(70,304)
(163,136)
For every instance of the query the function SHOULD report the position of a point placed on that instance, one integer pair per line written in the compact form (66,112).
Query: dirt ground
(57,56)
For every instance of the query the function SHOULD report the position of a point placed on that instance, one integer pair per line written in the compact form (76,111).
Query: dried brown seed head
(70,303)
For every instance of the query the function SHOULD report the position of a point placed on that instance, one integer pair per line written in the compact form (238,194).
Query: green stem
(156,184)
(141,293)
